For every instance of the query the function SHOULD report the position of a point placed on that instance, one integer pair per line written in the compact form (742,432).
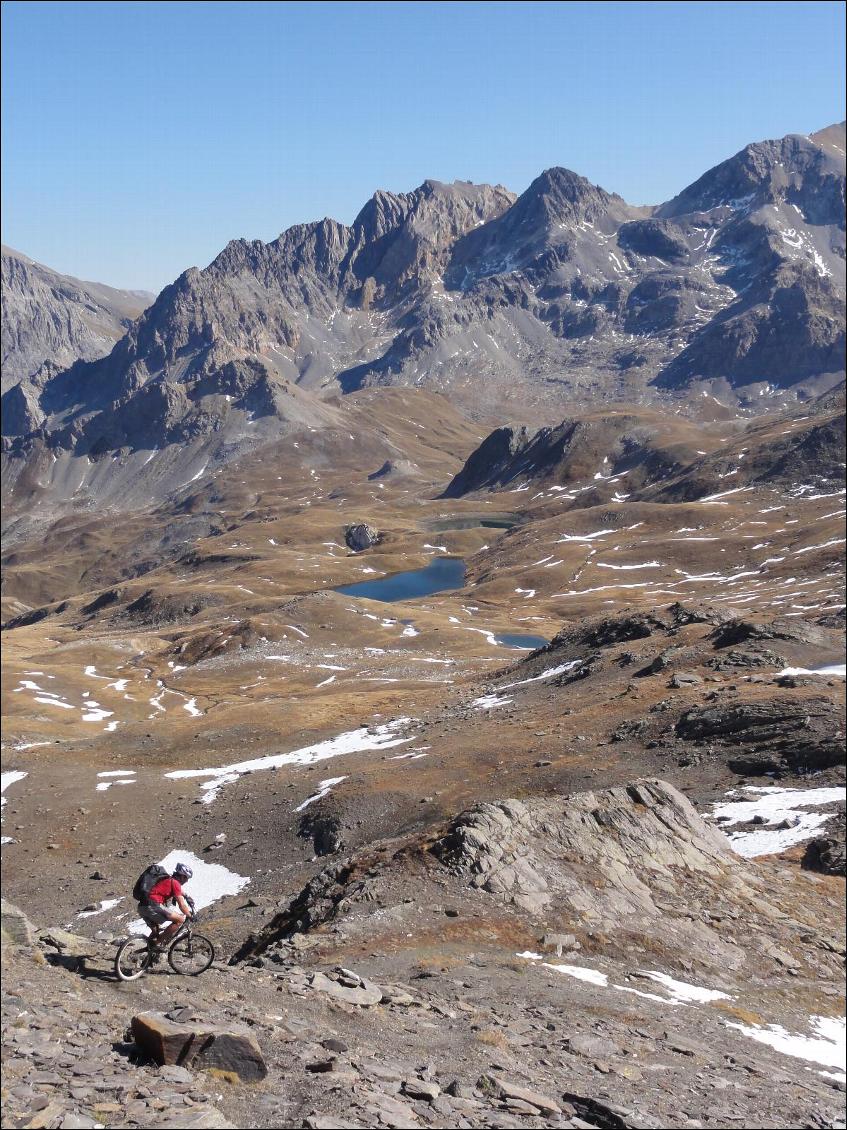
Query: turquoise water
(440,575)
(520,640)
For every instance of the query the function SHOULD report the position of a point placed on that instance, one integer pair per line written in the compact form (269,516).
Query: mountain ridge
(564,294)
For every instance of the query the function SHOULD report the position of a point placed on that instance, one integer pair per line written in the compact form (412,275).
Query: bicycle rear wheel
(191,954)
(133,959)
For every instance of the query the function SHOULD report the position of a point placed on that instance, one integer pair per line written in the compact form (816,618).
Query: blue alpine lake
(440,575)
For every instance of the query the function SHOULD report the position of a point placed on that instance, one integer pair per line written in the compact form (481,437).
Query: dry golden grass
(742,1014)
(493,1038)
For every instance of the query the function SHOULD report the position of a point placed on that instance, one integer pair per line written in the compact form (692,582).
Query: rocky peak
(795,169)
(490,461)
(406,239)
(462,203)
(384,212)
(543,222)
(562,196)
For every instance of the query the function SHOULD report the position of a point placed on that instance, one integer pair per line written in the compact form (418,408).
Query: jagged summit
(734,288)
(560,194)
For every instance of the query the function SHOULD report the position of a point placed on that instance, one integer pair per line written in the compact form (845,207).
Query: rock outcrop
(772,736)
(598,853)
(828,853)
(660,461)
(15,928)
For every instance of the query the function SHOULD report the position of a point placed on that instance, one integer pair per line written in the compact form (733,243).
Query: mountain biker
(166,920)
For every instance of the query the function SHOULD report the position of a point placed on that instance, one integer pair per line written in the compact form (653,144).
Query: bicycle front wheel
(132,959)
(191,955)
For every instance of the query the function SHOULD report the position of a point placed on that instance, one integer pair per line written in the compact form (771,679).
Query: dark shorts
(154,914)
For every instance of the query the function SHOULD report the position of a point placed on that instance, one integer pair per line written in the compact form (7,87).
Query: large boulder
(827,853)
(199,1045)
(361,536)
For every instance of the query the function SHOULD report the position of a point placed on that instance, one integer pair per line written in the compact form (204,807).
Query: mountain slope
(785,243)
(51,320)
(617,454)
(735,286)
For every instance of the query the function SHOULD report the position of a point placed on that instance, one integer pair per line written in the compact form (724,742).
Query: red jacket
(165,889)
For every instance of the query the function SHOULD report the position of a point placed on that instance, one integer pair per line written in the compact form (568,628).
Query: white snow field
(827,1046)
(786,811)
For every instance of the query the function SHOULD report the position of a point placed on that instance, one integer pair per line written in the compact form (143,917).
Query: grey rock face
(771,735)
(599,853)
(21,409)
(15,928)
(575,449)
(497,460)
(828,853)
(53,320)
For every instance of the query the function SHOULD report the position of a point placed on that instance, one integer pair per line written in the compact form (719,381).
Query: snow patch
(324,789)
(785,810)
(827,1046)
(838,669)
(550,673)
(351,741)
(489,701)
(581,973)
(683,993)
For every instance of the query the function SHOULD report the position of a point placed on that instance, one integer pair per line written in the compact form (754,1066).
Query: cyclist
(167,907)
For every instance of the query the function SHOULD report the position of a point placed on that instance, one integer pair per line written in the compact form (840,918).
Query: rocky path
(548,1060)
(418,987)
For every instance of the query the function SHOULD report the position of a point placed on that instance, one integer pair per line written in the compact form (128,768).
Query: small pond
(473,522)
(520,640)
(440,575)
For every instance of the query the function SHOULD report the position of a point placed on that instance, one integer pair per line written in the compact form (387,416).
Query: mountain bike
(189,954)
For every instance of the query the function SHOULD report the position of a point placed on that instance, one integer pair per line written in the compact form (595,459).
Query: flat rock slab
(200,1046)
(68,944)
(512,1091)
(208,1119)
(363,994)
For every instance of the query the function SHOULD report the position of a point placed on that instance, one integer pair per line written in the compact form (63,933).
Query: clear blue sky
(139,137)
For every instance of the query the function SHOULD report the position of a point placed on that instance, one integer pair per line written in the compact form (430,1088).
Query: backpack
(147,880)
